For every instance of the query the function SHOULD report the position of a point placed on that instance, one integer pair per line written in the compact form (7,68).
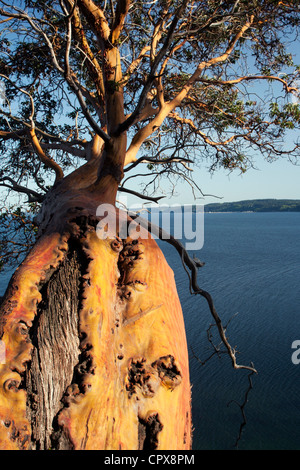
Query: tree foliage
(186,81)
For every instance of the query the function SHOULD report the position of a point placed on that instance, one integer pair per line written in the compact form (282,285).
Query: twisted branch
(242,407)
(191,266)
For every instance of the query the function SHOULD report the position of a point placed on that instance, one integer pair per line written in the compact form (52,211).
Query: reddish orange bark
(135,393)
(17,313)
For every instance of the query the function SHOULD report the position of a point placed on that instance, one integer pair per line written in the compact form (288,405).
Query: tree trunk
(96,354)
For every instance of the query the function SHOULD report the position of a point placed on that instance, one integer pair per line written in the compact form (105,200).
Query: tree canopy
(184,81)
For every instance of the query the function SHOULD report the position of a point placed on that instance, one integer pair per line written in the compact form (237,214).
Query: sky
(279,179)
(276,180)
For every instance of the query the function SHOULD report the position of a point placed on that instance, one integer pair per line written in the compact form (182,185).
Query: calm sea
(252,271)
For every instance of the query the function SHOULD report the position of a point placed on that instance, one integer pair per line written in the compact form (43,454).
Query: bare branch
(92,63)
(242,406)
(134,65)
(193,126)
(191,267)
(48,161)
(44,158)
(72,80)
(32,195)
(16,135)
(140,195)
(289,89)
(25,93)
(76,152)
(22,15)
(69,38)
(66,72)
(157,161)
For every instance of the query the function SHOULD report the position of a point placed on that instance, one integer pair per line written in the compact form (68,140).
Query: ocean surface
(252,271)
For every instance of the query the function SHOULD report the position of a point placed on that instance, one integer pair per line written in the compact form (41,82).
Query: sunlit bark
(96,354)
(126,381)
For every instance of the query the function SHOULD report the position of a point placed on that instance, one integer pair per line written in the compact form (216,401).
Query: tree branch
(206,64)
(157,162)
(92,63)
(168,107)
(25,93)
(32,195)
(289,89)
(242,406)
(44,158)
(96,19)
(206,139)
(15,135)
(151,76)
(21,15)
(66,72)
(119,19)
(191,267)
(134,65)
(72,81)
(76,152)
(140,195)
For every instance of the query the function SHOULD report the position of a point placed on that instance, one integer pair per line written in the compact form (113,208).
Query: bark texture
(96,354)
(54,335)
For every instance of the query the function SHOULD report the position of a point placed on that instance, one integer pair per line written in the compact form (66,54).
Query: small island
(256,205)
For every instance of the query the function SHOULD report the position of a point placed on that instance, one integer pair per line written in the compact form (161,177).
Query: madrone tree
(93,93)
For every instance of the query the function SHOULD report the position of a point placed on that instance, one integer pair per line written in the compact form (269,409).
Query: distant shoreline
(231,212)
(247,206)
(254,205)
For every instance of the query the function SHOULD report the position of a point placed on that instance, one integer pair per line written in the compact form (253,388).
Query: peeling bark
(54,335)
(97,355)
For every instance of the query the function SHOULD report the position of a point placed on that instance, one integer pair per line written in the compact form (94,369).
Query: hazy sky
(278,180)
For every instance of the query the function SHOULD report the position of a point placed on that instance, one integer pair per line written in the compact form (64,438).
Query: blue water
(252,270)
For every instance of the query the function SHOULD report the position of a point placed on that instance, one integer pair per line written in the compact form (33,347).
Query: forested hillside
(256,205)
